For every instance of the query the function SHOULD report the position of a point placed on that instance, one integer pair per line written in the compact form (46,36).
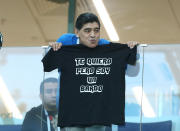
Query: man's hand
(56,46)
(131,44)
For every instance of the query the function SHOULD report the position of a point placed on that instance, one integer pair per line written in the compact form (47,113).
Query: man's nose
(92,34)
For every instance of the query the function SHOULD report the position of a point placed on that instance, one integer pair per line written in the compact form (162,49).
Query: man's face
(50,90)
(89,34)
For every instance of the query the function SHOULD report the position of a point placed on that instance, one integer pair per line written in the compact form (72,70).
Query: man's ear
(77,32)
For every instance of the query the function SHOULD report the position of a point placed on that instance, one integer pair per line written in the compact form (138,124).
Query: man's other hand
(56,46)
(131,44)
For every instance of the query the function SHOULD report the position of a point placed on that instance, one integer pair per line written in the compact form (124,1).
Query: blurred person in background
(44,117)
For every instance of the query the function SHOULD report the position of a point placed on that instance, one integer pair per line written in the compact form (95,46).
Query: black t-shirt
(92,83)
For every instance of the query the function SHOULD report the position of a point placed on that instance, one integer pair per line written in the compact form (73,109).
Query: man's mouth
(93,41)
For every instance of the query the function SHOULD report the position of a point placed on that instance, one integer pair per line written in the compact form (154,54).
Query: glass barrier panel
(152,85)
(21,73)
(158,93)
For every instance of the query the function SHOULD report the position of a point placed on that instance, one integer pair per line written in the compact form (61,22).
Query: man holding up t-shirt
(92,79)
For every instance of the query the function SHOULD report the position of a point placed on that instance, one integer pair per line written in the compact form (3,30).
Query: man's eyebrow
(97,28)
(88,28)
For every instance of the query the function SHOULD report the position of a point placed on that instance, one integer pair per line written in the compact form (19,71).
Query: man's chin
(52,104)
(51,107)
(92,45)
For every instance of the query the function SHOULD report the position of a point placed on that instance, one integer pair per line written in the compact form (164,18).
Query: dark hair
(51,79)
(85,18)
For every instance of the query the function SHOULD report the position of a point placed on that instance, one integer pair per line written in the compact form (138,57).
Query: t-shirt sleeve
(103,42)
(67,39)
(132,56)
(52,60)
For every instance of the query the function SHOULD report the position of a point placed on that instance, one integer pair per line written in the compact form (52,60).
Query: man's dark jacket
(35,120)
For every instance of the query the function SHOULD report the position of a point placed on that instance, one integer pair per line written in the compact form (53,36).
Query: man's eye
(87,30)
(96,30)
